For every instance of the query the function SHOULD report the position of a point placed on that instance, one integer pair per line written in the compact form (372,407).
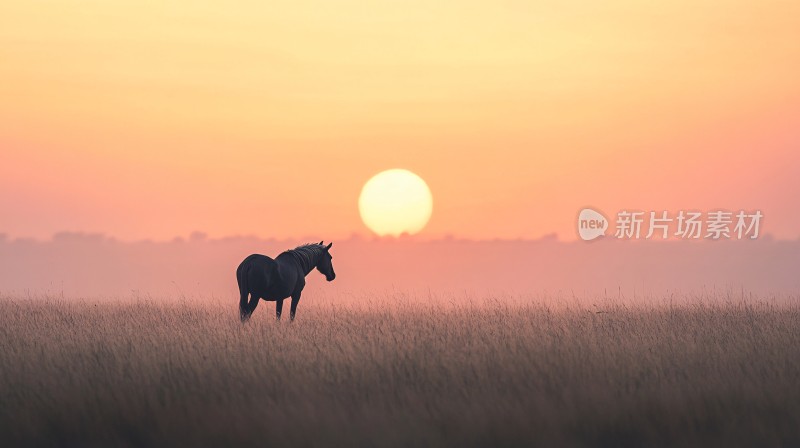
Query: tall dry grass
(391,372)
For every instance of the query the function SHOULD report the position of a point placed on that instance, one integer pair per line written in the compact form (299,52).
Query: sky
(151,119)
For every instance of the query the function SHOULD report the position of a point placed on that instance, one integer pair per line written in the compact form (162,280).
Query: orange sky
(142,119)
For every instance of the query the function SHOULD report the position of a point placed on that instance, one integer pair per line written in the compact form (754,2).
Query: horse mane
(307,255)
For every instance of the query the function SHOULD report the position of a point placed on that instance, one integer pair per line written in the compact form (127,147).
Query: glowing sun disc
(394,202)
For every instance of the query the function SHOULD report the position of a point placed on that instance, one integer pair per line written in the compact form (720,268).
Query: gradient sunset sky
(145,119)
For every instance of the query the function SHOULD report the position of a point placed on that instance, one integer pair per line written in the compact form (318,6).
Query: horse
(274,280)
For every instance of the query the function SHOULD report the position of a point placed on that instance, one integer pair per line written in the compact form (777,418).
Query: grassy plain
(389,372)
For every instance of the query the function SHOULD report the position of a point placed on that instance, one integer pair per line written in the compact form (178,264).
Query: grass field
(483,373)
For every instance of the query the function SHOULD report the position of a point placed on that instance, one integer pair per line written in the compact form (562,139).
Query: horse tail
(241,278)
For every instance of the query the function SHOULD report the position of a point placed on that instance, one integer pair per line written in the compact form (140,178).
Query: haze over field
(81,265)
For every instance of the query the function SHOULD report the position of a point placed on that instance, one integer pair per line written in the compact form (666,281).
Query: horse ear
(320,243)
(328,246)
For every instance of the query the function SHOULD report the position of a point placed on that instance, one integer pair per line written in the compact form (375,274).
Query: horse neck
(307,258)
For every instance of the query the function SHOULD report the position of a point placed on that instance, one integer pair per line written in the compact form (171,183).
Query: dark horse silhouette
(274,280)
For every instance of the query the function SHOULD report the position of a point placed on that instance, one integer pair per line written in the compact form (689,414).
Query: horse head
(325,265)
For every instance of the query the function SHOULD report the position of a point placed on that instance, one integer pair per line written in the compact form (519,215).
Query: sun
(394,202)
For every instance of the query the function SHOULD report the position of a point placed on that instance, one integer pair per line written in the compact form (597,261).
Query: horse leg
(278,309)
(295,300)
(244,308)
(253,304)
